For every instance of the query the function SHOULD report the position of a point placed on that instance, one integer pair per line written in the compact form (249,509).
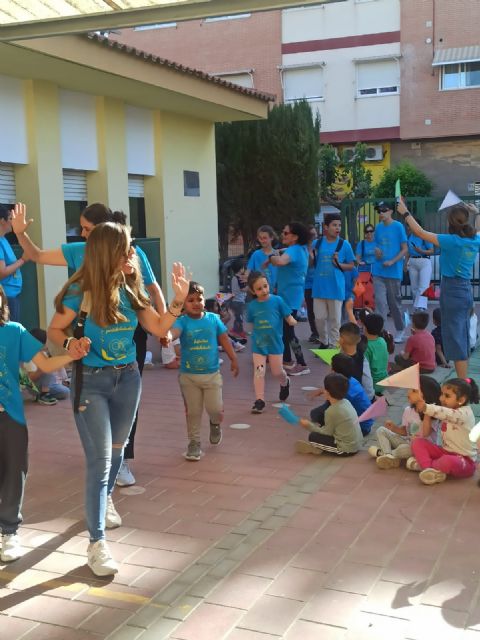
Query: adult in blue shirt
(108,295)
(333,257)
(419,268)
(293,264)
(10,274)
(71,255)
(366,249)
(387,270)
(458,252)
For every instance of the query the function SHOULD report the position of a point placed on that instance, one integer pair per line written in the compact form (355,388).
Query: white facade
(13,132)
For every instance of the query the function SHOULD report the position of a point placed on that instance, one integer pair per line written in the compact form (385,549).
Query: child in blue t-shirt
(17,345)
(200,333)
(267,313)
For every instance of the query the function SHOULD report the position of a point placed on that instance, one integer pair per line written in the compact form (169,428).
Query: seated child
(394,440)
(376,351)
(350,280)
(356,395)
(171,355)
(213,306)
(341,434)
(457,455)
(420,347)
(437,336)
(350,344)
(51,386)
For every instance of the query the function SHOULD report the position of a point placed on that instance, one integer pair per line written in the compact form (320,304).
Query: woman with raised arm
(71,255)
(106,298)
(458,252)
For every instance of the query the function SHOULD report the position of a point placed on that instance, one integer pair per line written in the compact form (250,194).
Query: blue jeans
(456,302)
(14,307)
(108,403)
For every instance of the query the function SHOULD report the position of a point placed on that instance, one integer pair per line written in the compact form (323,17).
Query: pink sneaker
(298,370)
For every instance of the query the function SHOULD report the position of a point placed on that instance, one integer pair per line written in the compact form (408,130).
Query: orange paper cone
(406,379)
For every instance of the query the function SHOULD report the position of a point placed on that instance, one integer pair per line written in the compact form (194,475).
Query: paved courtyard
(254,542)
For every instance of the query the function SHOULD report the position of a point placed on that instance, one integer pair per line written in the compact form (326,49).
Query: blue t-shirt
(16,345)
(199,342)
(255,262)
(457,255)
(329,280)
(366,252)
(267,318)
(414,242)
(360,402)
(389,239)
(350,279)
(111,345)
(291,277)
(12,284)
(74,252)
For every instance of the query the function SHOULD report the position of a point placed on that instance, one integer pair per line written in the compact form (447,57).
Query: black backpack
(318,244)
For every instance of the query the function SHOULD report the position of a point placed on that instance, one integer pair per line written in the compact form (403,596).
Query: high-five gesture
(180,281)
(19,218)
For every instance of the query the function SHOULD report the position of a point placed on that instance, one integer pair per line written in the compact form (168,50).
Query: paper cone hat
(406,379)
(450,199)
(326,354)
(377,409)
(288,415)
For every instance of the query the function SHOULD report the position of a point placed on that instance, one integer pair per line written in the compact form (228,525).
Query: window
(378,78)
(191,184)
(243,79)
(460,76)
(302,82)
(236,17)
(75,200)
(160,25)
(136,201)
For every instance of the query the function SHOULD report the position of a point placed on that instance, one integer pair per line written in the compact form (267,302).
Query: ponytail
(458,222)
(466,387)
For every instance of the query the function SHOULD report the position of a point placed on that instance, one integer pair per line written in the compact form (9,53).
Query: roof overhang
(42,18)
(456,55)
(74,63)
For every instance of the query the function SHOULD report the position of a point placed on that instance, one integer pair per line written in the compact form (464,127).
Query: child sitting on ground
(394,440)
(213,306)
(376,351)
(350,344)
(457,455)
(51,386)
(420,347)
(341,434)
(437,336)
(356,395)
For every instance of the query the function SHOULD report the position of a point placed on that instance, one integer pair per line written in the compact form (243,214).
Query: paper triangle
(325,354)
(288,415)
(398,190)
(406,379)
(450,199)
(375,410)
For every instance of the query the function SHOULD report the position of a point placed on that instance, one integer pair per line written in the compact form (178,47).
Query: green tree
(414,182)
(348,170)
(267,171)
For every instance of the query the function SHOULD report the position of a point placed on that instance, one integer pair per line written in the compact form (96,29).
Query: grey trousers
(199,391)
(389,442)
(13,471)
(388,297)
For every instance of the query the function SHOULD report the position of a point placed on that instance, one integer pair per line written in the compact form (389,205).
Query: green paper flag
(398,190)
(325,354)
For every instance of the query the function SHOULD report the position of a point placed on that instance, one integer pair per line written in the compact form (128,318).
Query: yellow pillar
(110,183)
(40,185)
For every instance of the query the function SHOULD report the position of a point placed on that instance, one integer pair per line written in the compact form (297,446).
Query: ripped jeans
(108,403)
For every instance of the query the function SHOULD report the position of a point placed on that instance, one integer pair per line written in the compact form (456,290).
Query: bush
(414,183)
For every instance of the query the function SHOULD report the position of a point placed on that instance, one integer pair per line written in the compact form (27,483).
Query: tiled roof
(175,66)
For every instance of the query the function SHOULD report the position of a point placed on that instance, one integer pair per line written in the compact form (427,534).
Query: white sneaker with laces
(412,464)
(400,337)
(374,451)
(112,517)
(125,477)
(11,547)
(100,560)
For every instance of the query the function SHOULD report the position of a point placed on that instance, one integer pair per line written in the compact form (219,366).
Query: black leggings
(140,339)
(291,343)
(310,312)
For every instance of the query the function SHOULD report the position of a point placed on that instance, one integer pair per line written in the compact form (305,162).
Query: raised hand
(180,281)
(19,218)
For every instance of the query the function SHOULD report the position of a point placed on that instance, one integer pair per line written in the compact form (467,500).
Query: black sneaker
(258,406)
(284,391)
(215,433)
(314,339)
(46,399)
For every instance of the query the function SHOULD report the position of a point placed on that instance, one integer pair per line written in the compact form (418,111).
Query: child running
(456,455)
(200,333)
(394,441)
(17,345)
(267,313)
(341,434)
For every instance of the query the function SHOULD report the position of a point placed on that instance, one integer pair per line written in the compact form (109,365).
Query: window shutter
(74,186)
(303,83)
(7,184)
(375,75)
(136,186)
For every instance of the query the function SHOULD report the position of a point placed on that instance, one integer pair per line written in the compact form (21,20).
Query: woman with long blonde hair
(106,300)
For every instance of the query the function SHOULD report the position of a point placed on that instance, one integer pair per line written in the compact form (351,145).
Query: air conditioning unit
(349,152)
(374,153)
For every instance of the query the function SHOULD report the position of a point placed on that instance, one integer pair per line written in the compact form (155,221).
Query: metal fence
(357,213)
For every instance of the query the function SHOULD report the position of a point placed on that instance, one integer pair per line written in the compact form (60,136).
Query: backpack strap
(337,249)
(79,332)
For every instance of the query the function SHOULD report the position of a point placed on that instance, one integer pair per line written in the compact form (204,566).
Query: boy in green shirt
(376,351)
(341,434)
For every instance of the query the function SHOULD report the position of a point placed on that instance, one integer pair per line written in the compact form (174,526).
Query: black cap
(383,206)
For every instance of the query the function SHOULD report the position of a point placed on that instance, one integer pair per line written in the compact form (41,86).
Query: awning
(456,55)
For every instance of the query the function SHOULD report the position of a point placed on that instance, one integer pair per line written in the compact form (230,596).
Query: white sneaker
(125,477)
(412,464)
(432,476)
(99,559)
(11,548)
(112,517)
(400,337)
(374,451)
(388,461)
